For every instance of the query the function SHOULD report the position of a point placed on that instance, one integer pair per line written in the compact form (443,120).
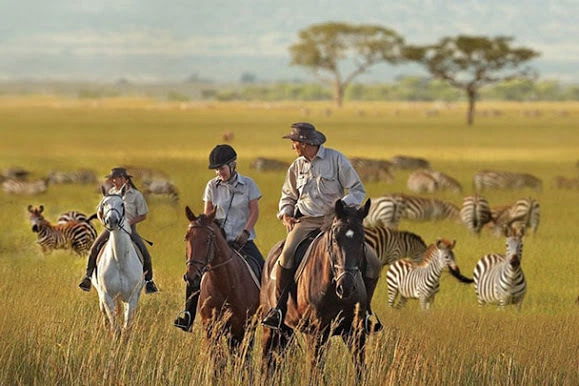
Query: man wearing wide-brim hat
(136,210)
(315,181)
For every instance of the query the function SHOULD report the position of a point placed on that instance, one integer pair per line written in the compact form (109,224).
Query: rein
(352,271)
(206,265)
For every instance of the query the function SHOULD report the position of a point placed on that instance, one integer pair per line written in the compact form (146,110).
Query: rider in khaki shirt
(314,182)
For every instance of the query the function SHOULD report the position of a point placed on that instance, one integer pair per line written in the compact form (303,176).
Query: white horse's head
(111,211)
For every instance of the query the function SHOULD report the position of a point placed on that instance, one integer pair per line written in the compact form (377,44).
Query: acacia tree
(331,48)
(471,62)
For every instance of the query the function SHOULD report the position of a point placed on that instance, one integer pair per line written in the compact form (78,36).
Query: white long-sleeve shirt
(314,187)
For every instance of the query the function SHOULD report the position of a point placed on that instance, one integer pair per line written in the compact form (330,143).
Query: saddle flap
(301,255)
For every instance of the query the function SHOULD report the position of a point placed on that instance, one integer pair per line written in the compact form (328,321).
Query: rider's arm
(253,214)
(350,180)
(289,193)
(209,207)
(138,219)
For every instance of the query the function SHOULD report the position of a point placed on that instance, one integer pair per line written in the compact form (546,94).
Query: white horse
(118,278)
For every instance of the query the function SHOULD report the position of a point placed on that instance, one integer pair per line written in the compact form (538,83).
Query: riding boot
(85,284)
(186,318)
(150,286)
(284,279)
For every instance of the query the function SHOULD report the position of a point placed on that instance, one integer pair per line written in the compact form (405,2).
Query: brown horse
(229,297)
(329,297)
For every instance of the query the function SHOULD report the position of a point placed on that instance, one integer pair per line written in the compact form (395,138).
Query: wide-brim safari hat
(305,132)
(118,172)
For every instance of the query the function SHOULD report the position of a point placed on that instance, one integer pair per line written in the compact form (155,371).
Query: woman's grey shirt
(314,187)
(232,201)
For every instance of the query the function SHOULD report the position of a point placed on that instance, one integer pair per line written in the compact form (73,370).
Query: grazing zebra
(488,179)
(76,235)
(392,245)
(143,173)
(475,213)
(24,187)
(446,182)
(499,279)
(161,187)
(427,209)
(73,215)
(525,212)
(15,173)
(80,176)
(385,211)
(405,162)
(267,164)
(421,181)
(372,170)
(422,280)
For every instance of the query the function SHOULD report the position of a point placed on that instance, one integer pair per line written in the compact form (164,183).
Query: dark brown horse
(329,297)
(229,297)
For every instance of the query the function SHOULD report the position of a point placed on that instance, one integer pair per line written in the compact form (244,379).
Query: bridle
(338,271)
(206,264)
(114,210)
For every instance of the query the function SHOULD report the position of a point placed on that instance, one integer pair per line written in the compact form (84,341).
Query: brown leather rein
(206,265)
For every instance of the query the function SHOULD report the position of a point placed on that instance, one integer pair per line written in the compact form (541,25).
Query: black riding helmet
(221,155)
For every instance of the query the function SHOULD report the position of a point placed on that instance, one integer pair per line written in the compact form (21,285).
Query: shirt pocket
(301,182)
(329,187)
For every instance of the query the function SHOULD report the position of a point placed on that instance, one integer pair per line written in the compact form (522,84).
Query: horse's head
(346,246)
(111,210)
(36,217)
(200,243)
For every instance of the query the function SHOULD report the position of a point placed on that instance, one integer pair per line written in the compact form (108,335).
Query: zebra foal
(499,279)
(421,281)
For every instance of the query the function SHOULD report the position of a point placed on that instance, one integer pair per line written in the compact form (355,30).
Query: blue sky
(152,40)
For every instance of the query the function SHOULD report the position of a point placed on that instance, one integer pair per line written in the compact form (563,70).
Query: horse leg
(274,343)
(130,308)
(356,342)
(111,310)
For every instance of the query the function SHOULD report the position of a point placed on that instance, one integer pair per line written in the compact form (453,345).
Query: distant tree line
(408,88)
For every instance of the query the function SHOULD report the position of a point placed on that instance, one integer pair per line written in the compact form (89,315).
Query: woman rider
(235,199)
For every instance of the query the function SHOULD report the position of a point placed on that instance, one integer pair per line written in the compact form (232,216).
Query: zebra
(499,279)
(488,179)
(427,209)
(143,173)
(161,187)
(372,170)
(422,280)
(566,183)
(73,215)
(430,181)
(392,245)
(475,213)
(446,182)
(267,164)
(406,162)
(76,235)
(15,173)
(12,186)
(385,211)
(80,176)
(526,212)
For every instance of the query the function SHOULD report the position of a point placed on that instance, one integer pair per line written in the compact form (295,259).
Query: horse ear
(40,208)
(189,213)
(339,208)
(363,212)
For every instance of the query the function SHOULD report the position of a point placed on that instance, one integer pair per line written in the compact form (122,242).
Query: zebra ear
(40,208)
(452,244)
(439,244)
(189,213)
(30,208)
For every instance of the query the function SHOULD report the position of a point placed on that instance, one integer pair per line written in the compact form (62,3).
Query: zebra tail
(456,273)
(91,217)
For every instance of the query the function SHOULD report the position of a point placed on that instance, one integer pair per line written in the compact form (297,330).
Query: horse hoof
(183,322)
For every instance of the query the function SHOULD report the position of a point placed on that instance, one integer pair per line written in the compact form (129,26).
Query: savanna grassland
(52,333)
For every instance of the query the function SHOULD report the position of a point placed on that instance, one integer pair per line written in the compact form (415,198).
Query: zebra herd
(152,181)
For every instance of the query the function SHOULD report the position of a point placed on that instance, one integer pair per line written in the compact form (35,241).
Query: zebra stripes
(430,181)
(80,176)
(73,215)
(24,187)
(525,212)
(421,281)
(76,235)
(489,179)
(499,279)
(428,209)
(267,164)
(373,170)
(385,212)
(161,187)
(475,213)
(392,245)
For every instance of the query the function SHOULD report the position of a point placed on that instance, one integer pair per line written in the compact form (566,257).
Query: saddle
(302,253)
(137,249)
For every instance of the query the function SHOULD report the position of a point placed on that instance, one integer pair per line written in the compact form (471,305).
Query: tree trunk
(338,94)
(471,101)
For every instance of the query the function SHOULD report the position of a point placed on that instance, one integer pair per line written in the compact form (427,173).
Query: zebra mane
(428,255)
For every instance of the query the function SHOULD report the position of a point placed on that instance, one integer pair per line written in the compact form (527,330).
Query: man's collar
(321,152)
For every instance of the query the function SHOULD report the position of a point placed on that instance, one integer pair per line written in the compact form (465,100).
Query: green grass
(50,332)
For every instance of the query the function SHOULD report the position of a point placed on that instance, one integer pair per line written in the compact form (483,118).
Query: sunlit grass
(51,332)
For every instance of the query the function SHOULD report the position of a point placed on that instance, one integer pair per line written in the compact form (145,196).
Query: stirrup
(270,315)
(186,316)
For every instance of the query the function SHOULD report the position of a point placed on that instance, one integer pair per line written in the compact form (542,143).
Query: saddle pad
(302,251)
(303,259)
